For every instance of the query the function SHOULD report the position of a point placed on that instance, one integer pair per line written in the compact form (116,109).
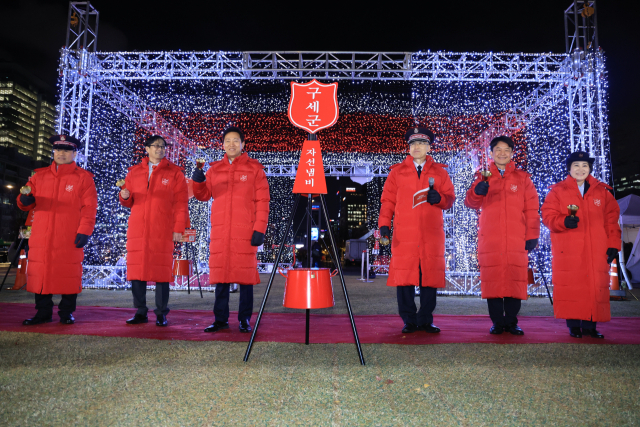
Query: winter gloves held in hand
(81,240)
(198,176)
(482,188)
(257,239)
(27,199)
(571,222)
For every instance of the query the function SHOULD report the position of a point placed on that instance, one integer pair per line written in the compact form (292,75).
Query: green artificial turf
(82,380)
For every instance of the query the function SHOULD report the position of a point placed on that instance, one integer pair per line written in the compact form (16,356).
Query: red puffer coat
(509,218)
(158,209)
(418,234)
(580,269)
(66,204)
(240,206)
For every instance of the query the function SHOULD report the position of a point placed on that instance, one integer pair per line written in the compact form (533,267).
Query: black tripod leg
(195,262)
(15,258)
(344,286)
(188,277)
(273,273)
(544,279)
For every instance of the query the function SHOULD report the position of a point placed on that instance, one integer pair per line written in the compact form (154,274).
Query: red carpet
(289,327)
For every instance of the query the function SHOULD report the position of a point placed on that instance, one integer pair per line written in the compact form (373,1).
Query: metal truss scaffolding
(576,78)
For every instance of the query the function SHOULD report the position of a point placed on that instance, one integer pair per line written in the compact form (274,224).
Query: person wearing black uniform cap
(417,247)
(66,201)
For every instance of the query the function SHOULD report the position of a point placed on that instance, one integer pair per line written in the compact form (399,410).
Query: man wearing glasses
(414,196)
(156,192)
(65,202)
(239,216)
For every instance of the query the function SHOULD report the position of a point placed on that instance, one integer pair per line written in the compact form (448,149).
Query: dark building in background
(27,115)
(353,211)
(625,185)
(27,120)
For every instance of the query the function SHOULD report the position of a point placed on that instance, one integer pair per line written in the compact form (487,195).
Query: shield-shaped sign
(313,106)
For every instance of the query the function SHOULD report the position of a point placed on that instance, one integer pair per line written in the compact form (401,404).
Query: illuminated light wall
(373,119)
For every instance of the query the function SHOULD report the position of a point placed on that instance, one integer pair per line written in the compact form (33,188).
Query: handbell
(573,209)
(25,189)
(200,163)
(485,174)
(120,183)
(384,241)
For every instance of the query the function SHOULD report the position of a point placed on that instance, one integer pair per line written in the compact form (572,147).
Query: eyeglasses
(162,147)
(418,143)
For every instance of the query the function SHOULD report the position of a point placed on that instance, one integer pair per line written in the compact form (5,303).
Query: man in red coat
(66,201)
(583,245)
(509,226)
(417,249)
(156,191)
(239,215)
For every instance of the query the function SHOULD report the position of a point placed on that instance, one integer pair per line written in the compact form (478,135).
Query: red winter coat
(158,209)
(418,234)
(579,264)
(240,206)
(509,218)
(66,204)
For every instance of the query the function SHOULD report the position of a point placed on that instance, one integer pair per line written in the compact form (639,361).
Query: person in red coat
(417,248)
(239,215)
(156,191)
(509,226)
(582,246)
(65,201)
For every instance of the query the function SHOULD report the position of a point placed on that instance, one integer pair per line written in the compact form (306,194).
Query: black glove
(482,188)
(571,221)
(198,176)
(27,199)
(81,240)
(385,232)
(257,239)
(530,244)
(611,255)
(433,197)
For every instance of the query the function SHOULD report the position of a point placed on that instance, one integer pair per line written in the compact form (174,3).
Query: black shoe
(245,326)
(496,329)
(409,328)
(575,332)
(592,333)
(137,319)
(432,329)
(216,326)
(37,320)
(162,320)
(68,320)
(514,330)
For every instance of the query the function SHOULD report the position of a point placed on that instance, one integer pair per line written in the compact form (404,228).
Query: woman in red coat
(509,226)
(582,246)
(239,216)
(65,201)
(156,191)
(417,248)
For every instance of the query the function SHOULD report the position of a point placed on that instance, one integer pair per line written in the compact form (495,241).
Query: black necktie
(419,171)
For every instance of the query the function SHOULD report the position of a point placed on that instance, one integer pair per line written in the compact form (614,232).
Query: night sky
(33,31)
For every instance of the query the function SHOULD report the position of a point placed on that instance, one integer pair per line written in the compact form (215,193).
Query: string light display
(374,116)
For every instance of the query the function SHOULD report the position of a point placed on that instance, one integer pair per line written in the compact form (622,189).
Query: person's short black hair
(149,141)
(504,139)
(233,129)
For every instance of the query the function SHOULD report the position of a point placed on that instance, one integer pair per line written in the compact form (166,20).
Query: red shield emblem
(313,106)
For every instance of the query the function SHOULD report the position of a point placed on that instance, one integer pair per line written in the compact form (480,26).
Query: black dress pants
(139,291)
(577,323)
(44,305)
(407,304)
(221,305)
(504,311)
